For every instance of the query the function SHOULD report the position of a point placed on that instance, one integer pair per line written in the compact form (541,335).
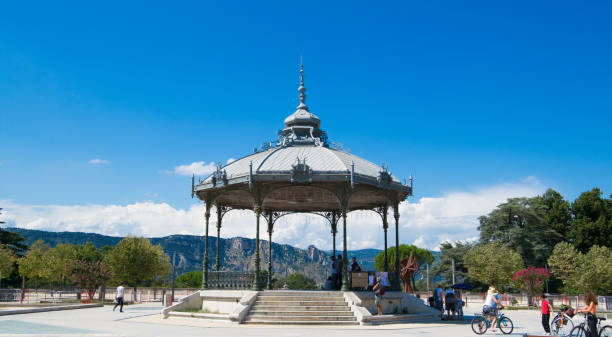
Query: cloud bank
(426,222)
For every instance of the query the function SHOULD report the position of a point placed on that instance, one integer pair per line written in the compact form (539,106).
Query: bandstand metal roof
(301,172)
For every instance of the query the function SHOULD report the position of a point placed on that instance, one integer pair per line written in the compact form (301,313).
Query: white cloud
(426,223)
(197,167)
(98,161)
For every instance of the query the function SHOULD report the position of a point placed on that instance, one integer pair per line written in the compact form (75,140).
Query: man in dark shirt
(355,266)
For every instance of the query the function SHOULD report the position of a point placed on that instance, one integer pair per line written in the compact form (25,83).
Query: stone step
(285,318)
(256,312)
(300,307)
(300,293)
(270,322)
(299,298)
(301,302)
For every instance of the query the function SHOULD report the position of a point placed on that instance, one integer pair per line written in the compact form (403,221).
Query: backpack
(450,298)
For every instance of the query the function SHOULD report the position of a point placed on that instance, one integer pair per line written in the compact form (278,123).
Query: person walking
(119,297)
(590,308)
(546,309)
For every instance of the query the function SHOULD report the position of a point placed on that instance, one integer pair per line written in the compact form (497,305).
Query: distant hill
(236,253)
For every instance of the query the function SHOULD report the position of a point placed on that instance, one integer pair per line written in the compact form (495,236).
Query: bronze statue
(409,267)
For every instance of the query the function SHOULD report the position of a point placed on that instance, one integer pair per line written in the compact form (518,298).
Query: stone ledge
(393,319)
(53,308)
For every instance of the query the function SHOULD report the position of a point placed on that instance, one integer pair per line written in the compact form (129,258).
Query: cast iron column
(385,227)
(345,281)
(205,264)
(397,257)
(334,226)
(256,283)
(218,260)
(270,229)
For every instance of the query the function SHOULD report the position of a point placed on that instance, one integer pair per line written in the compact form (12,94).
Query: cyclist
(590,308)
(491,305)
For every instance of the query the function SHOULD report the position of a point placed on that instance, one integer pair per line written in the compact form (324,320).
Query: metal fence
(230,279)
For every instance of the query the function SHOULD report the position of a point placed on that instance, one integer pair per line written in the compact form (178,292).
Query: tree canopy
(448,253)
(136,261)
(423,256)
(493,264)
(300,282)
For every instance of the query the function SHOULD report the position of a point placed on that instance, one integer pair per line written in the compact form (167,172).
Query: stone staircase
(301,307)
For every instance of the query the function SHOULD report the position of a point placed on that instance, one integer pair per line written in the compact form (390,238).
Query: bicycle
(562,323)
(482,322)
(581,330)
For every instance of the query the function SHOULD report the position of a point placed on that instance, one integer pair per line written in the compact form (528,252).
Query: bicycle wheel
(479,325)
(505,325)
(578,331)
(606,331)
(561,326)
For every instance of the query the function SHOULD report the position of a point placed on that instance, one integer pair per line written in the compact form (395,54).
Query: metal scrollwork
(300,172)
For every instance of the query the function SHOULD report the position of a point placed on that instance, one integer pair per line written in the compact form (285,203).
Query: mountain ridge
(236,254)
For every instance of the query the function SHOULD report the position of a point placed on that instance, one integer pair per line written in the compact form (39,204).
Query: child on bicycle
(546,309)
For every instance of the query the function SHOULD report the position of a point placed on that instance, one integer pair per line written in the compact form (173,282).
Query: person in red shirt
(546,309)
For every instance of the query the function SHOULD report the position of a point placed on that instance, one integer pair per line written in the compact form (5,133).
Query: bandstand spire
(302,88)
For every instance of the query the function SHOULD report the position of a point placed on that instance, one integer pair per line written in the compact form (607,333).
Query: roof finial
(302,88)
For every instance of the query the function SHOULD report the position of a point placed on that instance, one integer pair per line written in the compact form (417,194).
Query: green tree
(14,241)
(563,263)
(59,260)
(592,220)
(594,271)
(89,275)
(88,252)
(7,261)
(443,267)
(300,282)
(493,264)
(192,279)
(33,264)
(137,262)
(423,256)
(520,224)
(558,213)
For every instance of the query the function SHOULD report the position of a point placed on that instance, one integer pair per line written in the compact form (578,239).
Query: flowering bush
(531,279)
(89,275)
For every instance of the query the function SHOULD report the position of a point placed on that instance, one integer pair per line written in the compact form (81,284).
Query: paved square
(144,320)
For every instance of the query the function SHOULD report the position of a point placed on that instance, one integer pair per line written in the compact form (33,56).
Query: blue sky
(465,96)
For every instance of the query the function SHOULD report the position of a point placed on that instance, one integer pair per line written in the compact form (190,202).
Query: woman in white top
(491,304)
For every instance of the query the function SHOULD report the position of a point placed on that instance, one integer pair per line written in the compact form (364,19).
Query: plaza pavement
(145,320)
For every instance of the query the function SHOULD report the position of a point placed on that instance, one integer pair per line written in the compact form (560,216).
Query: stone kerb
(224,305)
(398,307)
(193,301)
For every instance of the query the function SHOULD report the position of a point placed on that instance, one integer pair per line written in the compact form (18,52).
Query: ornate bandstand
(301,173)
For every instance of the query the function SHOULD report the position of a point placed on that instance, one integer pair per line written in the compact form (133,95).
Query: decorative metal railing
(230,279)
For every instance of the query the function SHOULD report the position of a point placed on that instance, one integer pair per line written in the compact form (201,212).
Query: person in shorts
(491,305)
(459,306)
(378,293)
(450,299)
(438,299)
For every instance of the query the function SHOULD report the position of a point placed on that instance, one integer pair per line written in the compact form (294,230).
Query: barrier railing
(230,279)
